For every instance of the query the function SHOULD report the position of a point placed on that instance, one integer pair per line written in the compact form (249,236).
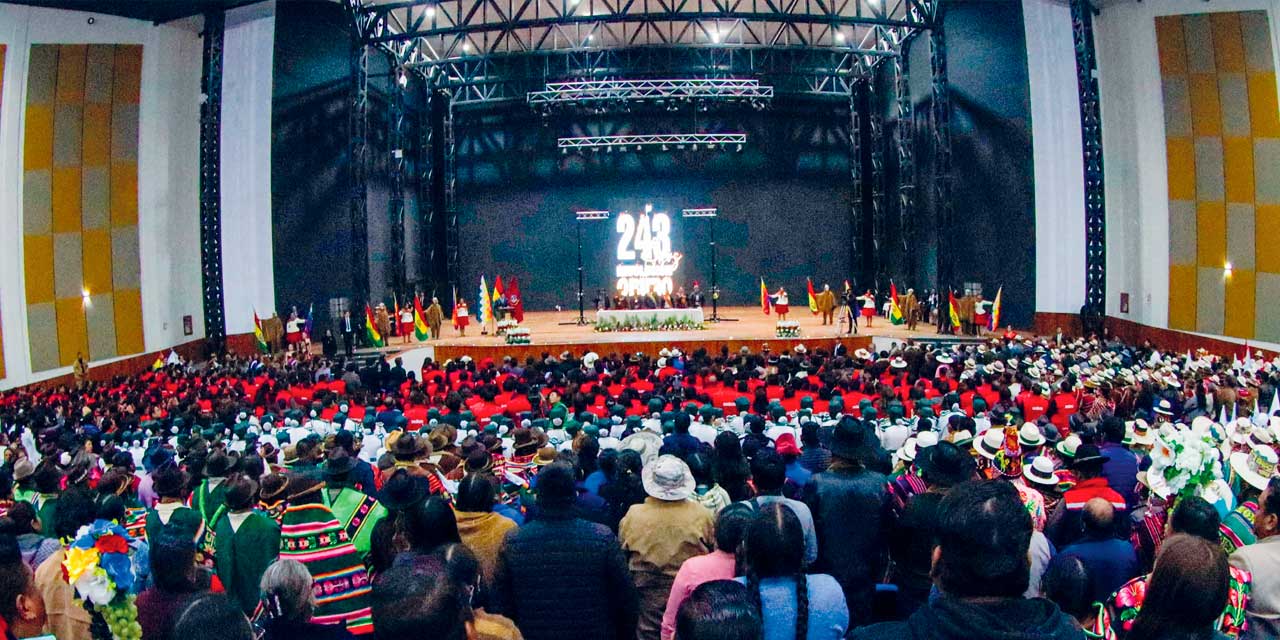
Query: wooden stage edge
(553,332)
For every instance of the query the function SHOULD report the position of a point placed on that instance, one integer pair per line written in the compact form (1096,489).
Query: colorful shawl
(1127,603)
(312,535)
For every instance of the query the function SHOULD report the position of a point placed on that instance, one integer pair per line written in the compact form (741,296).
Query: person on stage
(696,299)
(868,306)
(781,304)
(911,309)
(382,320)
(651,299)
(348,329)
(681,299)
(981,309)
(461,317)
(406,324)
(435,317)
(293,330)
(826,302)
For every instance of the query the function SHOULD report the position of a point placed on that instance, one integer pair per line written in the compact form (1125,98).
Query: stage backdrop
(1222,136)
(783,201)
(80,203)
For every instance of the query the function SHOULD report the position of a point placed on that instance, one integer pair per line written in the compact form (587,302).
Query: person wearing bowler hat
(357,511)
(411,452)
(941,466)
(246,542)
(209,496)
(171,514)
(852,510)
(661,533)
(1065,524)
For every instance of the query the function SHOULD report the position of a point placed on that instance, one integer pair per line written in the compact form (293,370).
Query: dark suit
(348,328)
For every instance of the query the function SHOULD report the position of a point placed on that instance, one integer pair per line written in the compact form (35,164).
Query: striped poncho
(312,535)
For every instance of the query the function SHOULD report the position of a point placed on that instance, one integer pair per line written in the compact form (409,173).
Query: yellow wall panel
(37,151)
(1228,44)
(38,263)
(1182,168)
(1206,111)
(1237,159)
(66,200)
(1264,113)
(1211,234)
(73,334)
(97,260)
(1240,303)
(1182,297)
(124,193)
(71,61)
(1266,221)
(1172,45)
(127,80)
(96,145)
(128,309)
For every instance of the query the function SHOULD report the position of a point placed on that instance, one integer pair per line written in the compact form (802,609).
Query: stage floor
(749,327)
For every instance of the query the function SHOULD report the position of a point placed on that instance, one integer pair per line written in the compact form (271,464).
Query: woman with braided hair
(792,604)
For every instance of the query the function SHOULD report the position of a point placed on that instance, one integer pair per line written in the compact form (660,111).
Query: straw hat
(1256,466)
(991,442)
(1041,471)
(1030,436)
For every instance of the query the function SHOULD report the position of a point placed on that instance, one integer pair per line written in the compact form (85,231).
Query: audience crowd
(1039,489)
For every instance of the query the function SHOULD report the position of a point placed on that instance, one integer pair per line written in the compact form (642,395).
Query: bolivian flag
(420,330)
(765,302)
(953,309)
(813,299)
(258,336)
(371,327)
(895,311)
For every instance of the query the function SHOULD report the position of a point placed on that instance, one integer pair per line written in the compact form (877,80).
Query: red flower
(111,544)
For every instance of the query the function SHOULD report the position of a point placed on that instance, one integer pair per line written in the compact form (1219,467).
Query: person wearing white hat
(660,534)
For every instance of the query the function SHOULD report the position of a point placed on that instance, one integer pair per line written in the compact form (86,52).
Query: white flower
(96,587)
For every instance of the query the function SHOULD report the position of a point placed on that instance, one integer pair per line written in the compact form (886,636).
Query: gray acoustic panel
(124,131)
(1211,294)
(125,263)
(1266,320)
(42,334)
(42,73)
(68,125)
(1199,37)
(97,80)
(1240,235)
(1233,95)
(1210,185)
(1182,232)
(1266,158)
(37,202)
(100,322)
(1257,41)
(1177,107)
(68,265)
(95,197)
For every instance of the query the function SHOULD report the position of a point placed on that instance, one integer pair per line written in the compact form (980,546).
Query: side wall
(1135,152)
(168,173)
(247,258)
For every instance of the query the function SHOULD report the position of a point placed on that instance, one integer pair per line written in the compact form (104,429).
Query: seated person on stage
(681,299)
(651,300)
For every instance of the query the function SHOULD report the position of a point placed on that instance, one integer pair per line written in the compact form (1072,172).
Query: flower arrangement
(632,323)
(1186,461)
(517,335)
(99,566)
(506,324)
(787,329)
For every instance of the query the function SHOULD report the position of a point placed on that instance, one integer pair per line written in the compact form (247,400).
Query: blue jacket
(1110,561)
(1121,471)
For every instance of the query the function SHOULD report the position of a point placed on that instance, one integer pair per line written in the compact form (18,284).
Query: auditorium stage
(750,328)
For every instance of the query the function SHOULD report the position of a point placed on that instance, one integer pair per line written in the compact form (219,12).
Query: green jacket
(358,513)
(46,505)
(208,500)
(184,522)
(242,555)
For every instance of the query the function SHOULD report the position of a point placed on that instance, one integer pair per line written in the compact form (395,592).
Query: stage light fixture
(700,212)
(648,208)
(431,12)
(839,37)
(592,215)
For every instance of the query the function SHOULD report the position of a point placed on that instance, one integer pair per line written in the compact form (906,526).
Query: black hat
(402,491)
(340,463)
(1088,455)
(168,479)
(945,465)
(220,464)
(409,445)
(849,440)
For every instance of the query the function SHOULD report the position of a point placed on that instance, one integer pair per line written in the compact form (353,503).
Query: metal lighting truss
(215,325)
(677,140)
(490,43)
(591,215)
(588,91)
(701,212)
(1095,211)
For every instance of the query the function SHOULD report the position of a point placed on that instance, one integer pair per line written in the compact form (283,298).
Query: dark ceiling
(153,10)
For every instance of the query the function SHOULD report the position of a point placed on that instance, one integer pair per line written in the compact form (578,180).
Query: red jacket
(1086,490)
